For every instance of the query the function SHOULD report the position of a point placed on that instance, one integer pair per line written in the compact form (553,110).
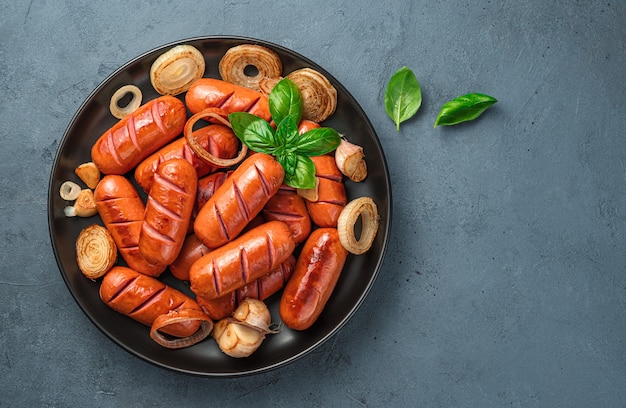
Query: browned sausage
(122,210)
(207,186)
(219,140)
(138,135)
(238,200)
(242,260)
(332,196)
(261,289)
(287,206)
(144,298)
(215,93)
(191,251)
(316,274)
(168,211)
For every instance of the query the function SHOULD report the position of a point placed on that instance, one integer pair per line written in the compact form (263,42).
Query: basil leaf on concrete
(464,108)
(403,96)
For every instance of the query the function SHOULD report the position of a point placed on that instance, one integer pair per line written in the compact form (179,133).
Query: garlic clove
(310,194)
(84,206)
(255,313)
(237,339)
(350,160)
(89,174)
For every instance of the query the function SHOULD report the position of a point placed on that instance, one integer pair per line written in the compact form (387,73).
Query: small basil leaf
(464,108)
(403,96)
(285,100)
(253,131)
(318,141)
(287,132)
(303,175)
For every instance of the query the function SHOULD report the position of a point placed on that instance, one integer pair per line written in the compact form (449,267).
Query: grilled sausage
(332,196)
(138,135)
(287,206)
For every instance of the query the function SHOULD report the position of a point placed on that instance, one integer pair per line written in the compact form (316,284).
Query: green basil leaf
(303,175)
(254,132)
(288,161)
(403,96)
(286,100)
(318,141)
(287,132)
(464,108)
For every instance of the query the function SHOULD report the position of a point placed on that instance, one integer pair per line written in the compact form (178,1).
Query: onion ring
(121,112)
(318,95)
(179,316)
(175,70)
(69,191)
(96,251)
(366,208)
(237,59)
(219,116)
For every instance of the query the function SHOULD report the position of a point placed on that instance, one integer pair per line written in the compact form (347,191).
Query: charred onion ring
(318,94)
(219,116)
(175,70)
(179,316)
(233,65)
(135,102)
(366,208)
(96,251)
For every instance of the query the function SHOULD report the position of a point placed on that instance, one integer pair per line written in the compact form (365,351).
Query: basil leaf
(464,108)
(403,96)
(286,100)
(255,132)
(318,141)
(287,132)
(288,161)
(303,175)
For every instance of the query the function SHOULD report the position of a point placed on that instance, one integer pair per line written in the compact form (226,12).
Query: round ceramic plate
(93,118)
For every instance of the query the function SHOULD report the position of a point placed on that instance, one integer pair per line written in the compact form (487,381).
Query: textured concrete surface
(504,283)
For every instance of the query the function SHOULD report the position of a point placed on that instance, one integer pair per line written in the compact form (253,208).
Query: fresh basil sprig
(464,108)
(290,149)
(403,96)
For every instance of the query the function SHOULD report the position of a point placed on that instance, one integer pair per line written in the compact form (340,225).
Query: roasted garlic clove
(237,339)
(255,313)
(84,206)
(350,160)
(89,174)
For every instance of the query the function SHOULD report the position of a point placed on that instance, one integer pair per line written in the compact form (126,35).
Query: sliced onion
(181,316)
(367,210)
(175,70)
(237,59)
(96,251)
(121,112)
(219,116)
(266,85)
(318,94)
(69,191)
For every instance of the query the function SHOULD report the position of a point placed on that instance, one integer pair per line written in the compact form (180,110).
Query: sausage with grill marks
(238,200)
(168,211)
(241,261)
(332,196)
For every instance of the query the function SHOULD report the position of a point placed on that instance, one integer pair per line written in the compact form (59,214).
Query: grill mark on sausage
(243,260)
(216,282)
(221,222)
(149,229)
(132,131)
(270,248)
(241,202)
(122,288)
(188,153)
(284,216)
(163,209)
(264,182)
(160,179)
(148,301)
(110,145)
(156,117)
(253,105)
(225,100)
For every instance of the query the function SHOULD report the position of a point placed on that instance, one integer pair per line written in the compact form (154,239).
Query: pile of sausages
(231,233)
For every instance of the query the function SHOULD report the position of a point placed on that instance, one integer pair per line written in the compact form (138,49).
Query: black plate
(93,118)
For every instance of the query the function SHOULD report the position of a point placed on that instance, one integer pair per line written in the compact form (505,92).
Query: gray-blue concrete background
(504,282)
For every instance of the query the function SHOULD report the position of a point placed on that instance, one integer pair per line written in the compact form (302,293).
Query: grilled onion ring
(366,208)
(96,251)
(121,112)
(69,191)
(318,94)
(218,116)
(179,316)
(175,70)
(233,65)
